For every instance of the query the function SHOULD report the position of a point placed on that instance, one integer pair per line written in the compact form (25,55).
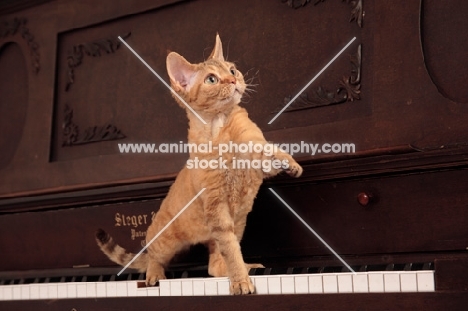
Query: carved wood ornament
(93,49)
(73,136)
(71,132)
(18,25)
(349,87)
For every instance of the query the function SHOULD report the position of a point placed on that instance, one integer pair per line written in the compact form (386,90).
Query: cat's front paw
(243,287)
(294,169)
(152,280)
(154,273)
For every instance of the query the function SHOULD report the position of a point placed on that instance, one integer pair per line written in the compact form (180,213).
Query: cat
(217,218)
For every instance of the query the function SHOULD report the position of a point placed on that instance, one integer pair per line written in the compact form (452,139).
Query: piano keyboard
(324,283)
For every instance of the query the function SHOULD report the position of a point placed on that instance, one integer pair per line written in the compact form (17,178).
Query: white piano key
(315,284)
(52,291)
(132,287)
(111,289)
(211,287)
(7,292)
(25,292)
(34,291)
(101,289)
(425,281)
(223,287)
(43,291)
(330,283)
(81,290)
(176,288)
(91,291)
(287,284)
(61,290)
(17,292)
(301,284)
(360,283)
(1,292)
(153,291)
(198,287)
(376,282)
(392,282)
(261,284)
(165,288)
(408,282)
(143,291)
(71,290)
(274,285)
(187,287)
(121,289)
(345,282)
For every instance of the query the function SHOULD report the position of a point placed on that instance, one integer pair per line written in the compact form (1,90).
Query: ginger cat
(218,216)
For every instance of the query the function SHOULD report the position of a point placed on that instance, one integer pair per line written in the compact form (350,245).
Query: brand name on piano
(134,221)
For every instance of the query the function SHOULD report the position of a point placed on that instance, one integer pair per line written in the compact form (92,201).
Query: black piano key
(399,267)
(311,270)
(417,266)
(332,269)
(371,268)
(276,271)
(299,270)
(260,271)
(94,278)
(345,269)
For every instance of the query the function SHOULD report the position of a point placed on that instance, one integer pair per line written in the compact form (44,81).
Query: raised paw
(242,288)
(294,170)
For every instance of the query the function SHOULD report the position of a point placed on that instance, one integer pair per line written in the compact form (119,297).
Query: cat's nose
(230,80)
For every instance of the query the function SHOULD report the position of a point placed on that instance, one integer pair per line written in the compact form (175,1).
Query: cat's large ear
(181,72)
(217,50)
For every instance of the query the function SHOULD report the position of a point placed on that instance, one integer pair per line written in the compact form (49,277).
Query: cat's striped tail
(118,254)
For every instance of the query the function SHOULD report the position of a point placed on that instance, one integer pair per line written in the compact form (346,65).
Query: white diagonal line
(313,79)
(161,79)
(160,232)
(313,231)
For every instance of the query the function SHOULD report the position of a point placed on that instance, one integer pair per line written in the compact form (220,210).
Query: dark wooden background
(70,92)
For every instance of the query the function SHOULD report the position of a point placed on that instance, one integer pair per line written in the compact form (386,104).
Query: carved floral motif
(93,49)
(356,7)
(18,25)
(73,136)
(349,89)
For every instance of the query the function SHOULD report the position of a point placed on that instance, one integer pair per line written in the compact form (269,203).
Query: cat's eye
(233,71)
(211,79)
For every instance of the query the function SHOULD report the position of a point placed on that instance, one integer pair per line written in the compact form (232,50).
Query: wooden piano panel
(403,218)
(407,214)
(378,94)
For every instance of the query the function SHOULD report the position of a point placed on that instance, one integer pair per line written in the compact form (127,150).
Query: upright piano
(389,194)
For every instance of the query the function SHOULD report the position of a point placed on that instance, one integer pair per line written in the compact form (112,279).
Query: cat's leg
(216,265)
(222,231)
(160,253)
(241,221)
